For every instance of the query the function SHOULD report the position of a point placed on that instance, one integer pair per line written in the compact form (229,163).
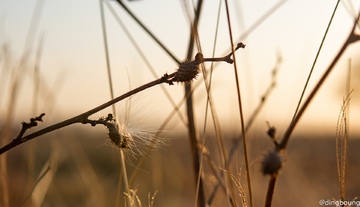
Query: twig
(26,126)
(80,118)
(227,57)
(166,78)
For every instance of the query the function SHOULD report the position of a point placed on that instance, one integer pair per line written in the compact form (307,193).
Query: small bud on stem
(188,70)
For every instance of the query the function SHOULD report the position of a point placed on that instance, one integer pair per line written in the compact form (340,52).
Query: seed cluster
(189,70)
(117,137)
(272,163)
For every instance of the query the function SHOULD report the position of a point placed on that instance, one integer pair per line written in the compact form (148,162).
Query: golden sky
(73,67)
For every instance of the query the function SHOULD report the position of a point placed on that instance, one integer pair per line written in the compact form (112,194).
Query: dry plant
(122,139)
(141,142)
(341,144)
(280,147)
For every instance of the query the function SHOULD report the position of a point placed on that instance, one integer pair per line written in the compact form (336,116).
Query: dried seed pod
(271,131)
(272,163)
(118,138)
(188,70)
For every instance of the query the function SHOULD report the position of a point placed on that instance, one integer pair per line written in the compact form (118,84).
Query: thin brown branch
(26,126)
(226,58)
(247,165)
(80,118)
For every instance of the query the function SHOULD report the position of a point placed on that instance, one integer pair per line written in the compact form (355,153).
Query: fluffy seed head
(272,163)
(117,136)
(136,139)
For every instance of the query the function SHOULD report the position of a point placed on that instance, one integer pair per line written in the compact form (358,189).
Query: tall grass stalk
(36,91)
(122,159)
(42,175)
(148,31)
(222,151)
(316,57)
(341,144)
(218,132)
(142,56)
(97,195)
(15,82)
(192,129)
(251,120)
(240,107)
(16,78)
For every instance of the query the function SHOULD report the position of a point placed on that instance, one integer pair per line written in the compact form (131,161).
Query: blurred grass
(310,173)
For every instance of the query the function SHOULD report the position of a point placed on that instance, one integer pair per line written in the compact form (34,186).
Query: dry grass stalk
(341,145)
(247,165)
(240,187)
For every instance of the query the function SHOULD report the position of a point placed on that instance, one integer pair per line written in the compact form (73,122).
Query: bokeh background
(71,78)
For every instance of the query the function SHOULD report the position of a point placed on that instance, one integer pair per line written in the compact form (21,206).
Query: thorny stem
(281,147)
(26,126)
(80,118)
(166,78)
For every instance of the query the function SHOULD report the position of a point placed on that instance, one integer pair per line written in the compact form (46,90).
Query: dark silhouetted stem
(83,116)
(148,31)
(281,147)
(190,112)
(316,57)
